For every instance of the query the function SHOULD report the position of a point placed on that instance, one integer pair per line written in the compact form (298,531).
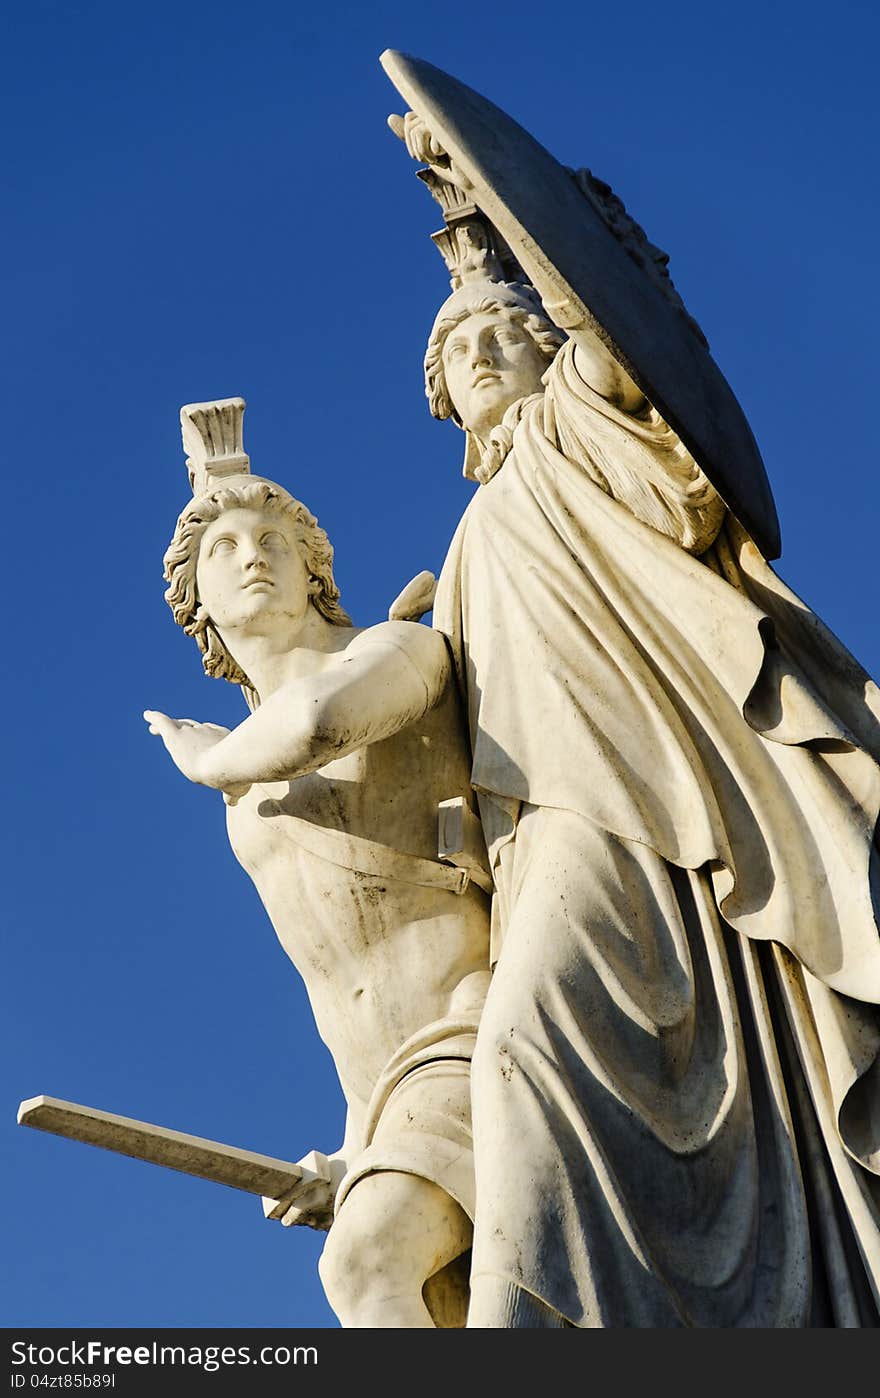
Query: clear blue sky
(203,200)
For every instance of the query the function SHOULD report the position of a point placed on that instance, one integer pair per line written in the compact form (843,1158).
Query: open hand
(188,743)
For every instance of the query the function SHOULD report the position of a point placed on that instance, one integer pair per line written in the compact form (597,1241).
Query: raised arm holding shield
(674,1086)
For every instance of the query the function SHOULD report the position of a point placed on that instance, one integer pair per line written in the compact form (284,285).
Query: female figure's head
(489,347)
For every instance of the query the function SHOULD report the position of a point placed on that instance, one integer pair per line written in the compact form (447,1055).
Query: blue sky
(203,200)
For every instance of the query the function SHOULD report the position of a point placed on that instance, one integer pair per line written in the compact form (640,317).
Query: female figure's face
(489,363)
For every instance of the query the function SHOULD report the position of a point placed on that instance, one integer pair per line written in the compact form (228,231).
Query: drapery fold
(695,708)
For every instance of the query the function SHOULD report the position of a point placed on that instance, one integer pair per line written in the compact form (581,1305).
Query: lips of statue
(490,362)
(250,575)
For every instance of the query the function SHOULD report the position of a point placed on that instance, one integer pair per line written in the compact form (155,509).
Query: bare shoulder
(423,645)
(412,658)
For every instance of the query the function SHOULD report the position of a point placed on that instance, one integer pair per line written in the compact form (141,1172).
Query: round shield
(550,224)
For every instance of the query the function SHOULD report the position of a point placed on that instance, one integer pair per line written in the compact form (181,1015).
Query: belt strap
(365,856)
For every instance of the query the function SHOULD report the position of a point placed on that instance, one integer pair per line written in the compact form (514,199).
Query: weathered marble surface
(334,785)
(675,1085)
(513,212)
(175,1150)
(661,1107)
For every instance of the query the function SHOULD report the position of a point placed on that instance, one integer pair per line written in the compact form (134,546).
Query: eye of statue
(273,539)
(222,546)
(456,349)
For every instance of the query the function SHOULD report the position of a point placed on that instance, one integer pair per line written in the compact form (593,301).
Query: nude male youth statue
(333,785)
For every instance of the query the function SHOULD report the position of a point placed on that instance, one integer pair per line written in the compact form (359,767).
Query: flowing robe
(676,1090)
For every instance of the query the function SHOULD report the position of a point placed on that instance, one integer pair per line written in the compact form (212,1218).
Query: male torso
(337,857)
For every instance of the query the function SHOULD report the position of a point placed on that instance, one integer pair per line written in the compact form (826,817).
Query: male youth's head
(248,559)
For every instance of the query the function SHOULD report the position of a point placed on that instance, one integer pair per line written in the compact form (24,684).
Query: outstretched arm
(391,675)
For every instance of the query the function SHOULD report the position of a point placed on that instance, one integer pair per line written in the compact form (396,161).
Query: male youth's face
(489,363)
(250,575)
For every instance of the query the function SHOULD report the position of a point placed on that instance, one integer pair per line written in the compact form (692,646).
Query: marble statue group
(581,878)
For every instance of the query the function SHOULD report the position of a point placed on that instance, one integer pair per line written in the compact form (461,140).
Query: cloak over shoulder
(694,705)
(695,708)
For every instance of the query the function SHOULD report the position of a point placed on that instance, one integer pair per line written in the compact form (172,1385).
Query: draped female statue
(675,1084)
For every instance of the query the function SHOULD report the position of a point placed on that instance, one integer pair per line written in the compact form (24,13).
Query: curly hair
(182,556)
(518,303)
